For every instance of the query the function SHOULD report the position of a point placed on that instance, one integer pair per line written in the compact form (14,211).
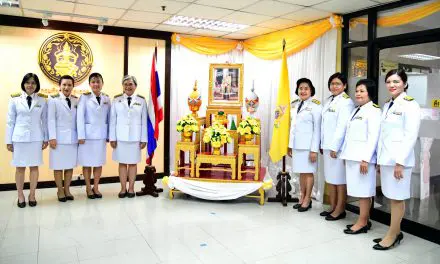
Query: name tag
(332,110)
(137,104)
(308,109)
(105,103)
(37,105)
(358,118)
(397,113)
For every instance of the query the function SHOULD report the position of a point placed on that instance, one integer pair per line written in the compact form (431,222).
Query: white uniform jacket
(93,118)
(305,125)
(128,123)
(26,124)
(335,115)
(62,119)
(399,132)
(362,134)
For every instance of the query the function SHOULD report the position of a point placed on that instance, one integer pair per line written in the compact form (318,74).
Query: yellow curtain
(205,45)
(402,18)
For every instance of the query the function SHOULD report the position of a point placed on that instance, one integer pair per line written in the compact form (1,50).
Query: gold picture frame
(226,84)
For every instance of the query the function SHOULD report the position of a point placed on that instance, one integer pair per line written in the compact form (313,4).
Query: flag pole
(283,186)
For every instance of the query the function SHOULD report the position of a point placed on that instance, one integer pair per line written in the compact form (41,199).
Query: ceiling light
(102,21)
(418,56)
(100,28)
(194,22)
(45,22)
(9,3)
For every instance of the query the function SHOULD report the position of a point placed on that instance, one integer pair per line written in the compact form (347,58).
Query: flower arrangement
(187,124)
(217,135)
(249,126)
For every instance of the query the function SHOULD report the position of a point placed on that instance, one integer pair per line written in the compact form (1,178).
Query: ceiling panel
(174,29)
(147,17)
(48,5)
(245,18)
(229,4)
(304,2)
(237,36)
(206,12)
(91,21)
(279,23)
(125,4)
(210,33)
(11,11)
(134,24)
(308,14)
(98,11)
(28,13)
(271,8)
(255,30)
(341,6)
(172,7)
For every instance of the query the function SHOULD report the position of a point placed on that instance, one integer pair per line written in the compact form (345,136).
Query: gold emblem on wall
(65,54)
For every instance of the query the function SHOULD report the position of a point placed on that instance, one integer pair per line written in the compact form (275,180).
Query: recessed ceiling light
(9,3)
(418,56)
(194,22)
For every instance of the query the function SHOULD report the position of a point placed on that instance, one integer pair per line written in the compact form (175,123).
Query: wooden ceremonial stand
(149,180)
(283,187)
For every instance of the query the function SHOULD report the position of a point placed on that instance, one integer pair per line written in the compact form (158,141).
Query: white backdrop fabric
(316,62)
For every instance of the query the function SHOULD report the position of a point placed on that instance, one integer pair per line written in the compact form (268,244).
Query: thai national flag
(155,110)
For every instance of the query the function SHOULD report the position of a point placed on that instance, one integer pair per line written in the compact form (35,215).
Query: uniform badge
(37,105)
(105,103)
(279,112)
(308,109)
(358,117)
(137,103)
(332,110)
(397,113)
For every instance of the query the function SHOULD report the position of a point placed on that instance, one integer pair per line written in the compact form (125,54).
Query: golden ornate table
(246,149)
(192,148)
(225,159)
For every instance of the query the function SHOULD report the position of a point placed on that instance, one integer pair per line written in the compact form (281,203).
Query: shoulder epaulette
(316,101)
(345,96)
(141,96)
(104,94)
(15,95)
(74,96)
(118,95)
(88,93)
(55,95)
(408,98)
(296,100)
(375,105)
(42,95)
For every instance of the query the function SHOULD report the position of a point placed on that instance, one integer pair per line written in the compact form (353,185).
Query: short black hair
(339,76)
(29,76)
(305,80)
(96,75)
(401,73)
(66,77)
(371,88)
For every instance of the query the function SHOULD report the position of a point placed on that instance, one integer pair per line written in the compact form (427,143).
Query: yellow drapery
(402,18)
(266,46)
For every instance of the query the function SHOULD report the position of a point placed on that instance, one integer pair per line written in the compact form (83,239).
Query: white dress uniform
(305,134)
(360,144)
(399,132)
(26,129)
(128,126)
(93,119)
(62,127)
(335,115)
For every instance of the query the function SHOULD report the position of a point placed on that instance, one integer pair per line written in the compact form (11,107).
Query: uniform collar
(63,97)
(370,103)
(399,98)
(25,95)
(132,96)
(100,94)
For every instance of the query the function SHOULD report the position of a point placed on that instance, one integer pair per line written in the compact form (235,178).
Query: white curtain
(316,62)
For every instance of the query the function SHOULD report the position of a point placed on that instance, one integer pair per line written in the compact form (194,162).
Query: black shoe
(325,213)
(97,195)
(62,199)
(122,195)
(340,216)
(296,206)
(378,240)
(304,209)
(369,224)
(396,242)
(363,229)
(22,204)
(32,203)
(131,195)
(70,198)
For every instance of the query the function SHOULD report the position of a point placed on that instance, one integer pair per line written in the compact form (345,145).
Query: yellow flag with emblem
(280,133)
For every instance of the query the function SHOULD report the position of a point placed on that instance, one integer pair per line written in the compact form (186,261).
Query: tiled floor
(185,230)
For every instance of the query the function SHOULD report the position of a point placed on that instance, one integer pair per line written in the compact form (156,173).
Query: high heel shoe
(304,209)
(361,230)
(70,197)
(332,218)
(131,195)
(32,203)
(122,194)
(22,204)
(396,242)
(378,240)
(325,213)
(97,195)
(296,206)
(90,196)
(369,224)
(61,199)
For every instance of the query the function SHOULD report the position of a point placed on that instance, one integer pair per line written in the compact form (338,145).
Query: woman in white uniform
(26,134)
(359,153)
(335,115)
(305,135)
(399,131)
(93,118)
(63,138)
(128,133)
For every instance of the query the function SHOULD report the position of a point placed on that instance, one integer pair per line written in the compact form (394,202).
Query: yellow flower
(216,144)
(256,130)
(229,139)
(187,128)
(195,128)
(247,130)
(206,139)
(179,128)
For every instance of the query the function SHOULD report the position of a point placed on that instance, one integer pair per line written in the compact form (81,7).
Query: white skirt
(27,154)
(92,153)
(63,157)
(301,162)
(334,169)
(127,152)
(393,188)
(360,185)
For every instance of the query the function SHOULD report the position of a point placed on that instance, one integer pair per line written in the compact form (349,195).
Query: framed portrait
(225,84)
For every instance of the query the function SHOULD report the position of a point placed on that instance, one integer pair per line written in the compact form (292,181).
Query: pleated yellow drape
(205,45)
(404,17)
